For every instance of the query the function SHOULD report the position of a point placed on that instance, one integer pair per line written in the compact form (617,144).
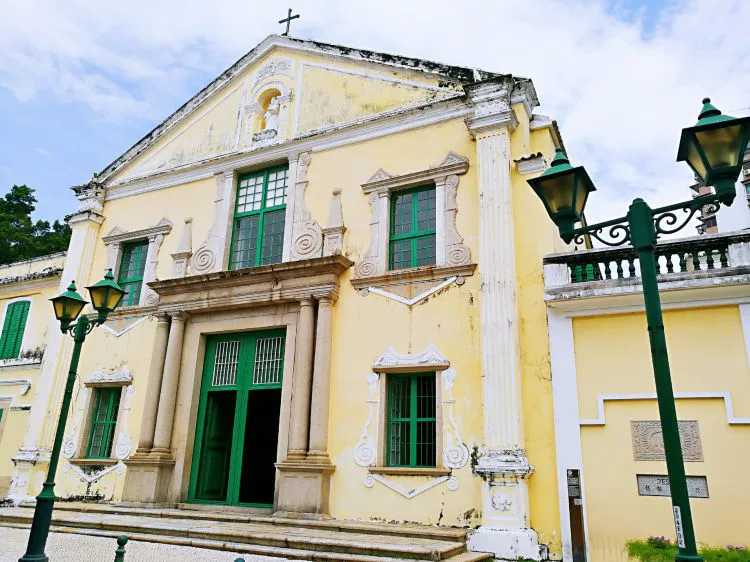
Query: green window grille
(13,328)
(103,421)
(411,420)
(258,234)
(412,235)
(130,276)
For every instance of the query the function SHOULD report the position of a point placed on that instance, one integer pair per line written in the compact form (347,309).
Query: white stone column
(303,364)
(153,384)
(169,382)
(502,462)
(321,389)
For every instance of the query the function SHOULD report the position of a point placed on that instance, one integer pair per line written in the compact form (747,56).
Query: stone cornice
(117,236)
(268,284)
(416,274)
(382,181)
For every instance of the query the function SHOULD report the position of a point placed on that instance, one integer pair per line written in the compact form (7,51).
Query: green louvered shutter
(103,421)
(13,328)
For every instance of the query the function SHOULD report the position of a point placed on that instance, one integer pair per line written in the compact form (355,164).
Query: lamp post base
(45,503)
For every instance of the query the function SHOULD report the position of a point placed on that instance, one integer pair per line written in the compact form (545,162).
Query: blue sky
(621,77)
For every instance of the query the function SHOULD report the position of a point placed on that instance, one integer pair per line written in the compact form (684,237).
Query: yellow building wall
(13,400)
(707,354)
(364,327)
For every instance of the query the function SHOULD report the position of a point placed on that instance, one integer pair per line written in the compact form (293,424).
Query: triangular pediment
(283,89)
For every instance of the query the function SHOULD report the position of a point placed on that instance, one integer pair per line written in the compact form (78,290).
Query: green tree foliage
(20,237)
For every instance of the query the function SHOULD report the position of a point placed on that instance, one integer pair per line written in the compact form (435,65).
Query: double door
(237,428)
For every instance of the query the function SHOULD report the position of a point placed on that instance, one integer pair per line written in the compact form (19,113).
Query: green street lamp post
(713,148)
(105,297)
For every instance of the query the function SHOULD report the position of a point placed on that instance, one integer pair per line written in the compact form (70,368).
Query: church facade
(334,308)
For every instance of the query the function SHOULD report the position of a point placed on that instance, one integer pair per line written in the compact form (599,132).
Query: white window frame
(116,237)
(449,247)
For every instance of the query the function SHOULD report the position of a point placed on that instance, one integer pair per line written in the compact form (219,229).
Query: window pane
(401,222)
(425,443)
(426,397)
(245,243)
(426,210)
(401,254)
(273,236)
(398,454)
(276,193)
(425,250)
(250,193)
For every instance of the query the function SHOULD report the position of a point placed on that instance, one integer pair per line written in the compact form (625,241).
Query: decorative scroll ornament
(204,259)
(123,446)
(456,252)
(456,453)
(364,451)
(308,240)
(369,265)
(69,444)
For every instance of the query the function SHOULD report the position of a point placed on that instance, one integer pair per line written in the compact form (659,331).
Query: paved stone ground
(65,547)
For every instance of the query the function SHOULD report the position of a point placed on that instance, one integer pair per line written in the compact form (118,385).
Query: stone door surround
(202,300)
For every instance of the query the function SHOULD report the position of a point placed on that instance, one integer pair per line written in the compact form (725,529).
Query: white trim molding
(720,395)
(116,237)
(452,453)
(450,249)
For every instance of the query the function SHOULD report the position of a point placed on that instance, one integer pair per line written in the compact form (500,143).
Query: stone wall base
(147,479)
(507,544)
(304,488)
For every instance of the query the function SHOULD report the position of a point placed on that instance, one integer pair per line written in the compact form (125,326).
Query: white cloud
(620,93)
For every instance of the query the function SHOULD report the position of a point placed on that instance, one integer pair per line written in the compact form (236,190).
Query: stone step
(251,516)
(289,553)
(254,537)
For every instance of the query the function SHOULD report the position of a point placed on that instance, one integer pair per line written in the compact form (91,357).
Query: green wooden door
(238,417)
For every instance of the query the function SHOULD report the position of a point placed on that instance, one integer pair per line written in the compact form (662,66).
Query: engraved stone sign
(657,485)
(648,444)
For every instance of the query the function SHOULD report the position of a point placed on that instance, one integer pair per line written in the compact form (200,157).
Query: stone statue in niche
(271,116)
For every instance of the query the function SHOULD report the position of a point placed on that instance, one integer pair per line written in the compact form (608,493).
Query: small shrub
(661,549)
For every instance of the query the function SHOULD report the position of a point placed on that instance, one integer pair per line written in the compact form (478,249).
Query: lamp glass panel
(721,145)
(695,159)
(98,296)
(67,309)
(558,193)
(582,193)
(113,298)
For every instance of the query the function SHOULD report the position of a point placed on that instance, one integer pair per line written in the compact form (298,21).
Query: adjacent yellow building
(610,454)
(336,308)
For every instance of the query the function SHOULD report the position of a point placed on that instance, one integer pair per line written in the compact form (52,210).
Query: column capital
(161,317)
(178,315)
(491,101)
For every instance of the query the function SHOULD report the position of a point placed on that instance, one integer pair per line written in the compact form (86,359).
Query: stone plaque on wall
(658,485)
(648,444)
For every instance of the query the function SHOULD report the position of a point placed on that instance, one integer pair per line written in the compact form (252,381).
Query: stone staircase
(247,533)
